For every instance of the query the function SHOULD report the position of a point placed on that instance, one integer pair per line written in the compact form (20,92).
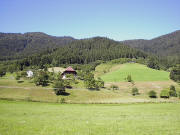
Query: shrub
(23,74)
(129,79)
(178,94)
(100,82)
(164,94)
(153,63)
(172,87)
(68,84)
(175,73)
(152,94)
(18,76)
(114,87)
(135,91)
(41,78)
(59,88)
(62,100)
(2,72)
(172,91)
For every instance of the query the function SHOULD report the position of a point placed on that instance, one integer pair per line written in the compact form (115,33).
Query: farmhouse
(68,70)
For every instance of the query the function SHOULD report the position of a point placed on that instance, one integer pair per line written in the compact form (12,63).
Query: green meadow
(33,118)
(26,90)
(138,72)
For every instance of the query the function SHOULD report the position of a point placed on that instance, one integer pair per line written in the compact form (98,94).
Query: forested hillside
(80,52)
(98,48)
(166,45)
(16,44)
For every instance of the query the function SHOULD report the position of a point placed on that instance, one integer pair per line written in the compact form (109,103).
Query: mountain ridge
(165,45)
(29,43)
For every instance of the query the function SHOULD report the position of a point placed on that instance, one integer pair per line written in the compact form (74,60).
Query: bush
(100,82)
(135,91)
(172,87)
(172,91)
(114,87)
(129,79)
(62,100)
(175,73)
(59,88)
(178,94)
(11,68)
(18,76)
(152,94)
(68,84)
(23,74)
(2,72)
(153,63)
(41,78)
(164,94)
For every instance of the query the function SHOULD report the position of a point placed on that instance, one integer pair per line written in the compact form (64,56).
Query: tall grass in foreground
(28,118)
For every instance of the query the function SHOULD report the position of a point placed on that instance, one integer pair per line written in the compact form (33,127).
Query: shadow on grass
(20,81)
(63,94)
(93,89)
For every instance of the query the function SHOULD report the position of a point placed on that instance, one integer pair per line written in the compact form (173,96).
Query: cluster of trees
(91,83)
(175,73)
(171,92)
(153,63)
(166,93)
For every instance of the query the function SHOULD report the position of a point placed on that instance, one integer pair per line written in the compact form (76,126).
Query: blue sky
(116,19)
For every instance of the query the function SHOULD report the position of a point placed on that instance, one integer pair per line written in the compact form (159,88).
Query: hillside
(26,90)
(12,44)
(166,45)
(138,72)
(84,51)
(97,48)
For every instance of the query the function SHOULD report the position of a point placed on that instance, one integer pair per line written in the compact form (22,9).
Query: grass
(138,72)
(31,118)
(29,92)
(56,69)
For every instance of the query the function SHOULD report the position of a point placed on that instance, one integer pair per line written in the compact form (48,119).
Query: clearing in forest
(138,72)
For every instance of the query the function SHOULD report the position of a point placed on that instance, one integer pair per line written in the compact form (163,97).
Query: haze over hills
(166,45)
(29,43)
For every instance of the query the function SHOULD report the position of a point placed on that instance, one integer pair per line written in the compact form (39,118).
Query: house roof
(70,69)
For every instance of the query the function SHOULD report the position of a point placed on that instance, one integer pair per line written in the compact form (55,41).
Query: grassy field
(26,90)
(138,72)
(56,69)
(31,118)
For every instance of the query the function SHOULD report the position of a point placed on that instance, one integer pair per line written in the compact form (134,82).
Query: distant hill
(29,43)
(166,45)
(89,50)
(17,45)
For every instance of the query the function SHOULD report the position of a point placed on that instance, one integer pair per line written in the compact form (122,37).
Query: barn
(68,70)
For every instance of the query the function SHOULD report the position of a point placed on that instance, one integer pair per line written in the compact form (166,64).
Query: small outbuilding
(68,70)
(29,73)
